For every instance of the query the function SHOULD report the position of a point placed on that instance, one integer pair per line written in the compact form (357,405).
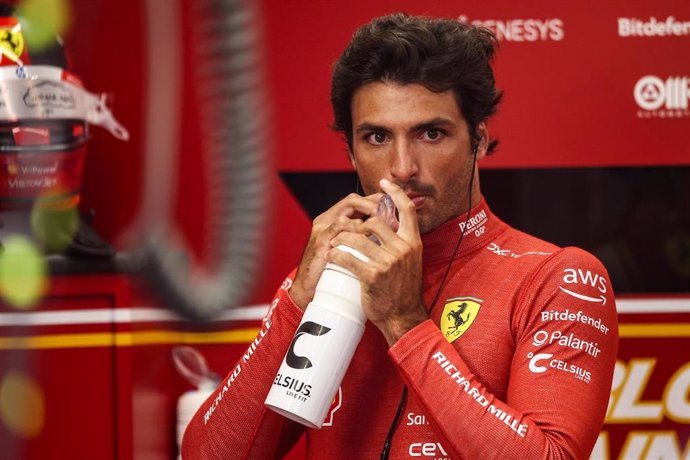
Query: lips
(418,200)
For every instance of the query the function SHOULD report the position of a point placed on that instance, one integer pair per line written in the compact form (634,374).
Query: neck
(480,226)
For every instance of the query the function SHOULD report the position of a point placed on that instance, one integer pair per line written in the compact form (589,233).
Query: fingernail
(385,183)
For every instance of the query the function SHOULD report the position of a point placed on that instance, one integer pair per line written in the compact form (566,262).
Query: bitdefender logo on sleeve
(458,315)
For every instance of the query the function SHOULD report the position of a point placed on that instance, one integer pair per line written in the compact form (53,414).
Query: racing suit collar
(481,227)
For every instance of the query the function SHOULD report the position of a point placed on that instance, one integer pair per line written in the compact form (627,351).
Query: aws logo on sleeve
(580,277)
(458,315)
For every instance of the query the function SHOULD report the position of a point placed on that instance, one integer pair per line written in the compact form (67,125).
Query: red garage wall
(595,116)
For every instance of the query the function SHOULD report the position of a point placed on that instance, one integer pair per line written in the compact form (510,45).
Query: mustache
(412,186)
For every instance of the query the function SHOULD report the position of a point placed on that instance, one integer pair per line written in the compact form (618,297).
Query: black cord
(403,398)
(462,232)
(394,425)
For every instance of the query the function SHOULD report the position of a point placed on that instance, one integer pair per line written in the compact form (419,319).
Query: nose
(403,162)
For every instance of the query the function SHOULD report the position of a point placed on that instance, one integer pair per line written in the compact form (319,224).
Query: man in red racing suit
(514,359)
(529,378)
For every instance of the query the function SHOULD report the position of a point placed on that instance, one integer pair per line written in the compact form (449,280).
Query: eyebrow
(429,124)
(371,127)
(433,123)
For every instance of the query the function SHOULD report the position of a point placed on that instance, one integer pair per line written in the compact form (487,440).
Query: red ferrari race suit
(516,361)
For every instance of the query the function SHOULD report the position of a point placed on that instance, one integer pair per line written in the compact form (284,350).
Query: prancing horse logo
(458,315)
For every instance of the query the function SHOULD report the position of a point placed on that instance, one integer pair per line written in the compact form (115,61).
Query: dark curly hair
(440,54)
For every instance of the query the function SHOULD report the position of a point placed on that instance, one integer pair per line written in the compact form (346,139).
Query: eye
(432,134)
(376,138)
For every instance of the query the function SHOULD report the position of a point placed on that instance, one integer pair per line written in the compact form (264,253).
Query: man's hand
(344,215)
(392,280)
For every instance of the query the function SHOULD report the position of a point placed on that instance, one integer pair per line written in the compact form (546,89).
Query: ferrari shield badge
(458,315)
(11,41)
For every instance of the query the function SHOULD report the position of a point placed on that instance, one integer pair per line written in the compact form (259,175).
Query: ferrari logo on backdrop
(458,315)
(11,43)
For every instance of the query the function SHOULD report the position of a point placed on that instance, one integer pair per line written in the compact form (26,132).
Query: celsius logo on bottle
(308,327)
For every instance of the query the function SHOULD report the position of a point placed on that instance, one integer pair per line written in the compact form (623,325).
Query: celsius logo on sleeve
(534,362)
(542,362)
(302,362)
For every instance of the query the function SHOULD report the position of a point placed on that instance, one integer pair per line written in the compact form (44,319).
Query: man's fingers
(408,230)
(355,205)
(378,228)
(346,260)
(341,224)
(359,242)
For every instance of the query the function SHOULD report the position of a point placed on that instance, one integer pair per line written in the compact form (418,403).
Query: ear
(483,144)
(352,159)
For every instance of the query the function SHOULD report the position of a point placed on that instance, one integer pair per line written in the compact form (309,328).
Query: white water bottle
(192,365)
(323,345)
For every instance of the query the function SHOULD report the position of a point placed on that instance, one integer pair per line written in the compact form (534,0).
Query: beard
(436,209)
(440,206)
